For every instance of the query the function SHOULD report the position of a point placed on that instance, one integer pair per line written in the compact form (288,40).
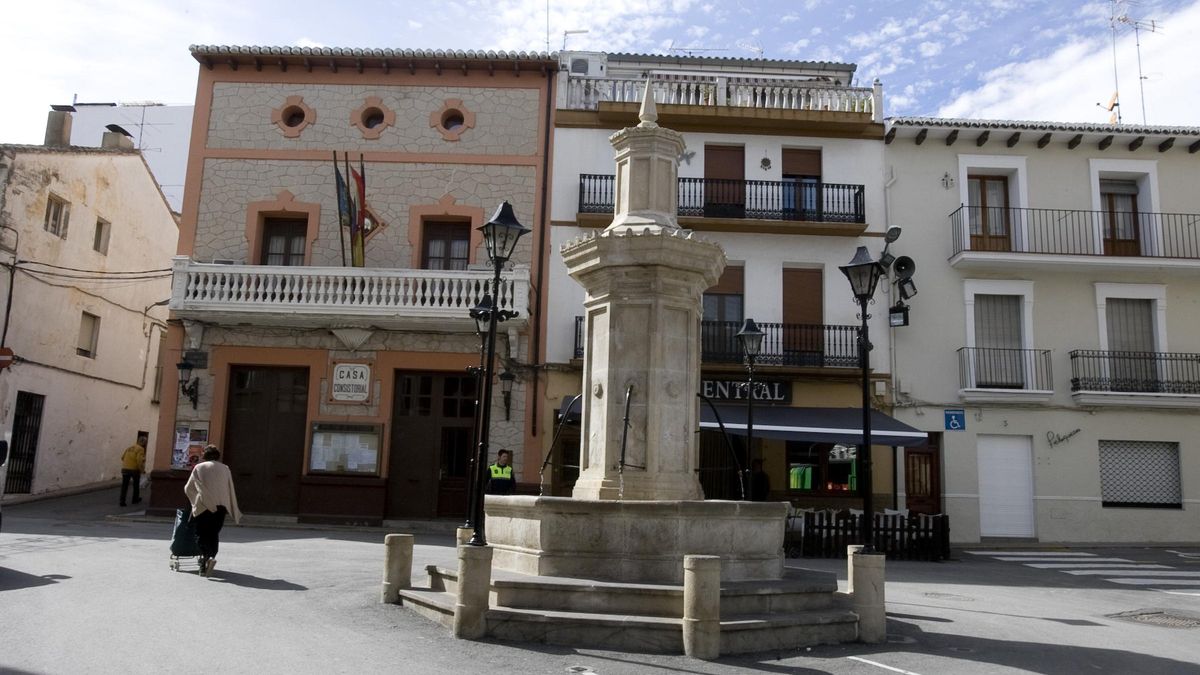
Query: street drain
(1158,617)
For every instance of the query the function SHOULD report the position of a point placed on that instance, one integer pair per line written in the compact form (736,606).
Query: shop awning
(814,425)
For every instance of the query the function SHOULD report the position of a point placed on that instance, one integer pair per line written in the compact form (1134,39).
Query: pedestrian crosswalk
(1123,571)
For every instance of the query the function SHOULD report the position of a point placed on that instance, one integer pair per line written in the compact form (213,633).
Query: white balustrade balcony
(587,93)
(341,296)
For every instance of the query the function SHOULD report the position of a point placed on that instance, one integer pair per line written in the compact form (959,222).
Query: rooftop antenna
(1112,22)
(547,26)
(690,51)
(1138,26)
(571,32)
(751,47)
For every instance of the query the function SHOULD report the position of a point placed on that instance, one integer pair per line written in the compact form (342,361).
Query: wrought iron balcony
(744,199)
(1077,233)
(1119,372)
(784,344)
(1013,370)
(289,295)
(587,93)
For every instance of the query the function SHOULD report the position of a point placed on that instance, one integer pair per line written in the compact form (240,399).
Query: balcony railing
(1009,369)
(587,93)
(1135,372)
(199,288)
(741,199)
(784,344)
(1068,232)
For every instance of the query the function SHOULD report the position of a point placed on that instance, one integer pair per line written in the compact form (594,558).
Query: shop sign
(770,391)
(351,382)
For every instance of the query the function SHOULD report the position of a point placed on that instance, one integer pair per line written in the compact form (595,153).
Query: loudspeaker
(905,267)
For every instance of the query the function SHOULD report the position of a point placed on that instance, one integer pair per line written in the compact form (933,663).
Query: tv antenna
(570,32)
(1139,26)
(751,47)
(691,51)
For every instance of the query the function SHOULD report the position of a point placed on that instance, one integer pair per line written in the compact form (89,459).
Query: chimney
(116,140)
(58,128)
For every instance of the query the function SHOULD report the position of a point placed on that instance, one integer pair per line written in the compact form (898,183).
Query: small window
(100,239)
(447,246)
(89,332)
(1140,474)
(58,212)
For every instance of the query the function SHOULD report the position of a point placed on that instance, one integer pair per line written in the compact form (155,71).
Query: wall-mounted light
(947,180)
(898,315)
(506,387)
(187,386)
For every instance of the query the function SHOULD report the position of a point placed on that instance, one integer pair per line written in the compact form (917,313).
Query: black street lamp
(506,386)
(751,339)
(864,273)
(187,386)
(478,313)
(500,236)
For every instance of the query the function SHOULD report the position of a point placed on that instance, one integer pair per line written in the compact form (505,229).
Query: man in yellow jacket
(500,475)
(133,463)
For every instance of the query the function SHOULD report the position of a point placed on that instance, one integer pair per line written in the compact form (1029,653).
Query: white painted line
(1134,573)
(881,665)
(1095,566)
(1029,560)
(1160,582)
(1178,592)
(1055,554)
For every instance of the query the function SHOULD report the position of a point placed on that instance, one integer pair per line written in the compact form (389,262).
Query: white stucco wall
(1067,491)
(93,406)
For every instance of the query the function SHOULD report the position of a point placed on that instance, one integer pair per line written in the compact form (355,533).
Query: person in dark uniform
(501,475)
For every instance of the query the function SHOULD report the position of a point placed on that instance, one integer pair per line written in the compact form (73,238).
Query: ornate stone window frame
(278,116)
(452,107)
(284,204)
(418,214)
(358,118)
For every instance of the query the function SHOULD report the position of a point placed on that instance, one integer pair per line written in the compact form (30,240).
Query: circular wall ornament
(293,117)
(372,117)
(452,120)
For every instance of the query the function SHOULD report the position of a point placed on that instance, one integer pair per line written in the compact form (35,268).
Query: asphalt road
(81,593)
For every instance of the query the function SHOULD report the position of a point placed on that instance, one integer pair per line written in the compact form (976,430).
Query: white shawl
(210,486)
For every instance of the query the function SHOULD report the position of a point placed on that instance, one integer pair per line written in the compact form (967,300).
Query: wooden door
(803,317)
(989,213)
(1121,222)
(266,427)
(431,444)
(724,181)
(923,477)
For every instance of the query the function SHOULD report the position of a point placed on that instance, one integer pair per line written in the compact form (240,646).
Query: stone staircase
(801,609)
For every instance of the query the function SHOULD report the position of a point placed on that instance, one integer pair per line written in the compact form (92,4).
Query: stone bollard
(865,572)
(474,592)
(702,606)
(397,565)
(463,535)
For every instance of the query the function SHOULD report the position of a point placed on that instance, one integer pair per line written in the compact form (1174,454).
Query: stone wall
(392,188)
(506,119)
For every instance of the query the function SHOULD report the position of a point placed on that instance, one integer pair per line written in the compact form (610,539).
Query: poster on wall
(188,446)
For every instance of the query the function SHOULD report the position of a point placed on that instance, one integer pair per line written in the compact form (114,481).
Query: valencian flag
(358,228)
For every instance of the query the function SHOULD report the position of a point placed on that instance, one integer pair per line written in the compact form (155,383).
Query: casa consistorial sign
(769,391)
(351,383)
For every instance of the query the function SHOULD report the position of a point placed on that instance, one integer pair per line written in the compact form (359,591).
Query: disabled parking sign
(956,419)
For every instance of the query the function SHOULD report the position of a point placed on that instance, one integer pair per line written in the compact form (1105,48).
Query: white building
(86,335)
(784,169)
(1054,353)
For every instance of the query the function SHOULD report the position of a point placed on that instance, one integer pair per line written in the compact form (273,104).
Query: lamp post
(478,313)
(751,339)
(506,386)
(500,235)
(863,274)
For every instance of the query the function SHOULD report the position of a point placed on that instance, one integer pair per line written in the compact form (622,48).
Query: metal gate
(27,424)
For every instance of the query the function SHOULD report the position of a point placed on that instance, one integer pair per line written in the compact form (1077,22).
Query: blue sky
(1007,59)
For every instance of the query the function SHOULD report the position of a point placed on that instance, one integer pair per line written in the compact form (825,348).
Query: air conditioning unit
(585,64)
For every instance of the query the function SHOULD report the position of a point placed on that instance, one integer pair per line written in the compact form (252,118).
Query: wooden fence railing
(826,534)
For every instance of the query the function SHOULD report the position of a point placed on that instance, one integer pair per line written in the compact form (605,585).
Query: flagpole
(353,211)
(338,198)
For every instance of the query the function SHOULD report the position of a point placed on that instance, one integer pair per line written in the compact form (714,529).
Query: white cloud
(815,31)
(795,48)
(415,25)
(930,49)
(697,32)
(790,17)
(810,5)
(1066,84)
(308,42)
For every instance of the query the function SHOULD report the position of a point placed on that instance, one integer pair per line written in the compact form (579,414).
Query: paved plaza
(83,592)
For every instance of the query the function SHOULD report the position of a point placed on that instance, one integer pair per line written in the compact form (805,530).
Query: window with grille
(1141,474)
(58,212)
